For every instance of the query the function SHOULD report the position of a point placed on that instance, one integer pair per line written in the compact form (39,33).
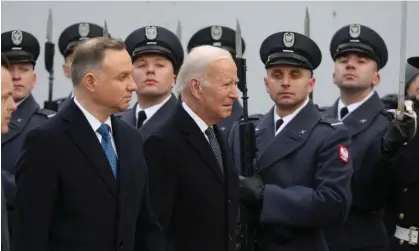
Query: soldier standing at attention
(302,182)
(157,55)
(22,50)
(359,53)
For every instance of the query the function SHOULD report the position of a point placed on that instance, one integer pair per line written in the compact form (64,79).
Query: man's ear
(196,88)
(174,81)
(89,81)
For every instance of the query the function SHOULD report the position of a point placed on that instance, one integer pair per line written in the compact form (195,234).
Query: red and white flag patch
(343,153)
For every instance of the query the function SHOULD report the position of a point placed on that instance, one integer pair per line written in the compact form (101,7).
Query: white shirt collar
(94,122)
(201,124)
(354,106)
(150,111)
(21,101)
(289,117)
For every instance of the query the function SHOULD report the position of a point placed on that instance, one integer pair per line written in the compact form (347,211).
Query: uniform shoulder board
(46,113)
(322,109)
(60,100)
(331,122)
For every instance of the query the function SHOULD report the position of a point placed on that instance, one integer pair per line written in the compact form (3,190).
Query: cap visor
(414,61)
(289,62)
(356,50)
(19,57)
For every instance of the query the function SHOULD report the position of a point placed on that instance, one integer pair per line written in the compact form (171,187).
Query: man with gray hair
(193,184)
(81,181)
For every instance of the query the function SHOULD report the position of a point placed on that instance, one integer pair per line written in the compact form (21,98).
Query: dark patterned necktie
(343,112)
(141,118)
(215,147)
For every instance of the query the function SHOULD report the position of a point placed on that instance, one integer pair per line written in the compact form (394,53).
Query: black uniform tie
(343,112)
(278,124)
(141,118)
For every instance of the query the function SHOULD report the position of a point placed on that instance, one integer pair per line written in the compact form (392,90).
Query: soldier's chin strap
(409,112)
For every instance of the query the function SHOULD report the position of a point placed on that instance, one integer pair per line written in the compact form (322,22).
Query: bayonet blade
(49,26)
(179,30)
(403,44)
(239,49)
(105,30)
(307,23)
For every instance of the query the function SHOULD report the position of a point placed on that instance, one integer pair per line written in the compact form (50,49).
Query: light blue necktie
(107,146)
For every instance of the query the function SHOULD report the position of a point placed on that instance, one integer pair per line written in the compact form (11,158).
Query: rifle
(105,30)
(49,64)
(307,33)
(247,148)
(179,30)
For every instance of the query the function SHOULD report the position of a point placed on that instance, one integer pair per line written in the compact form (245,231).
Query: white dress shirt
(21,101)
(287,118)
(95,124)
(201,124)
(149,112)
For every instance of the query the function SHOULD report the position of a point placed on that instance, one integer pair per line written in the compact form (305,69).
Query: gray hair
(196,63)
(89,55)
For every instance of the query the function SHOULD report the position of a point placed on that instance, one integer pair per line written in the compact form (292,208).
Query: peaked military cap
(219,36)
(411,73)
(20,46)
(155,39)
(361,39)
(414,61)
(290,48)
(77,33)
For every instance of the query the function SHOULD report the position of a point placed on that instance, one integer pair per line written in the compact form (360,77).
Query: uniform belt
(407,234)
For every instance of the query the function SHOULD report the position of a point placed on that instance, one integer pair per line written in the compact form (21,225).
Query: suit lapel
(20,118)
(165,111)
(291,137)
(80,131)
(265,132)
(195,137)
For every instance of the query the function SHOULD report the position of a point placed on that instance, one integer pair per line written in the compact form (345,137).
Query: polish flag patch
(343,153)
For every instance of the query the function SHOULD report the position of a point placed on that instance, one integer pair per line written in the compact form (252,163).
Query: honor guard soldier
(359,53)
(405,202)
(412,85)
(223,37)
(303,166)
(412,81)
(22,50)
(67,42)
(412,93)
(157,55)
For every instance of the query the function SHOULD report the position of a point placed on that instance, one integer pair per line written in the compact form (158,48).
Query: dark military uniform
(390,100)
(19,47)
(156,40)
(69,38)
(306,168)
(364,228)
(405,197)
(223,37)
